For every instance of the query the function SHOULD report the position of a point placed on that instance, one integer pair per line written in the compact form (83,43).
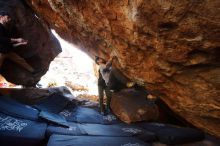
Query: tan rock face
(171,47)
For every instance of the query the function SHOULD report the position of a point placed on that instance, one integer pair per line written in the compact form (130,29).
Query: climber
(110,80)
(9,44)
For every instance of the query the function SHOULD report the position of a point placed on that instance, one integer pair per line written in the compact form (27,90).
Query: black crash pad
(170,134)
(64,140)
(73,129)
(54,103)
(53,118)
(16,109)
(20,132)
(89,115)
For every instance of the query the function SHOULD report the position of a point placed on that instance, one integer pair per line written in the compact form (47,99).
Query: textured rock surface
(132,106)
(42,45)
(171,47)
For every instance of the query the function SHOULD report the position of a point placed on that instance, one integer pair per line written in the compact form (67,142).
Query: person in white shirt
(110,80)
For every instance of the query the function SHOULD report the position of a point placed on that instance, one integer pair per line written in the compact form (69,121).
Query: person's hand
(113,60)
(130,84)
(114,57)
(18,42)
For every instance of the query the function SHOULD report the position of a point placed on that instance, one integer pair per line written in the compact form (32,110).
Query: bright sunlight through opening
(72,68)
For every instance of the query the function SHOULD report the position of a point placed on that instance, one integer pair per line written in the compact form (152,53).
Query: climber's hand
(18,42)
(130,84)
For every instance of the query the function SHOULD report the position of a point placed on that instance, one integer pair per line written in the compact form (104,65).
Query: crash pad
(117,130)
(54,103)
(53,118)
(89,115)
(73,129)
(20,132)
(110,130)
(171,134)
(16,109)
(64,140)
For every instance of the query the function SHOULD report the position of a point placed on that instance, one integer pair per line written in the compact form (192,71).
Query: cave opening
(74,69)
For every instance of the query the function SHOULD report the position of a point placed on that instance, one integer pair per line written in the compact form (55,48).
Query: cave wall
(41,49)
(170,47)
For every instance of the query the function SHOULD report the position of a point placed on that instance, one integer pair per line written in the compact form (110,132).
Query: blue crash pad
(54,103)
(16,109)
(124,130)
(20,132)
(65,140)
(170,134)
(89,115)
(73,129)
(53,118)
(110,130)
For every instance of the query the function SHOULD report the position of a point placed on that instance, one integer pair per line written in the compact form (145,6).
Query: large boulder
(132,106)
(170,47)
(42,45)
